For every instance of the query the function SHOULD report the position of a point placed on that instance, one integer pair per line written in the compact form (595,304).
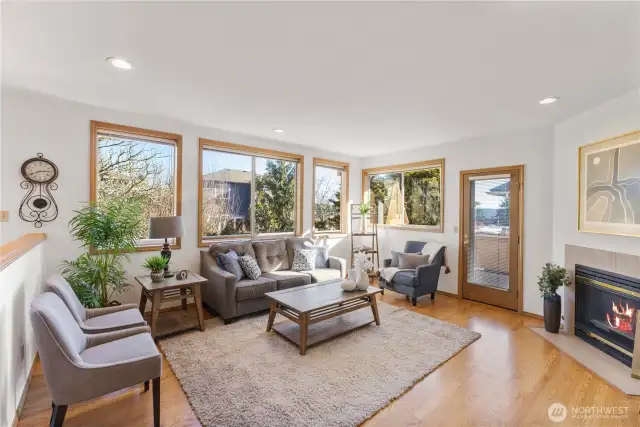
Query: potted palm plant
(549,281)
(109,231)
(156,264)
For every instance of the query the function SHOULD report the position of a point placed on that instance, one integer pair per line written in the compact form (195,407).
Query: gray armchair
(422,281)
(94,320)
(79,367)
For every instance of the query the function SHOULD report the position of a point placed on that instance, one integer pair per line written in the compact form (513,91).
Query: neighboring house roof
(500,190)
(229,175)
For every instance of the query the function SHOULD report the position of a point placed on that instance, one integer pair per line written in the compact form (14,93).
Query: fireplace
(606,311)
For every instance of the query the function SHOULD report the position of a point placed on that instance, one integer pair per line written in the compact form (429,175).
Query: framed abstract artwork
(609,186)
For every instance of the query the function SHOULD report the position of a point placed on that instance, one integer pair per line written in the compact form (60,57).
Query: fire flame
(622,318)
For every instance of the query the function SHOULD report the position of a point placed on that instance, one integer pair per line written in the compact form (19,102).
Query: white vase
(363,224)
(363,280)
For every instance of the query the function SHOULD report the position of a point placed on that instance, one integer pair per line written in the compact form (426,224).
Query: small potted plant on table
(156,264)
(549,281)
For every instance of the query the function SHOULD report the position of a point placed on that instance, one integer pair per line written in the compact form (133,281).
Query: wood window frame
(408,167)
(97,126)
(344,198)
(259,152)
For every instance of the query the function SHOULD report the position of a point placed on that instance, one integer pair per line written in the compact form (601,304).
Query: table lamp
(166,227)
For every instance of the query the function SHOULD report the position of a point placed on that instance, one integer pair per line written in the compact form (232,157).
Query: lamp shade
(166,227)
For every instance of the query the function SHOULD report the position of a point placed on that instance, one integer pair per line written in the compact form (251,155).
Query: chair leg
(433,296)
(228,321)
(156,402)
(414,301)
(146,385)
(57,415)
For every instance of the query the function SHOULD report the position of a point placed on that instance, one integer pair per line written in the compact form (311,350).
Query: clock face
(38,170)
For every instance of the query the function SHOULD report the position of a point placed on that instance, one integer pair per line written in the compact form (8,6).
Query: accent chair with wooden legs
(79,367)
(94,320)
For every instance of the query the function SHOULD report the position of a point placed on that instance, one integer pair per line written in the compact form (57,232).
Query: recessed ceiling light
(549,100)
(120,63)
(276,130)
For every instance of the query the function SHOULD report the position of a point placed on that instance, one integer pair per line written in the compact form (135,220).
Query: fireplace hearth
(606,311)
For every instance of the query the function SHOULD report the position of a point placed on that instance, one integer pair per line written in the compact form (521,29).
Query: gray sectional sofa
(231,298)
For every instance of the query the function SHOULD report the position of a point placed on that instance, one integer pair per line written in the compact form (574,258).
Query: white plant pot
(363,225)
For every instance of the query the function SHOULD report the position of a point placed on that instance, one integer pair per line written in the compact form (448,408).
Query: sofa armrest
(106,337)
(338,264)
(386,262)
(428,276)
(220,291)
(97,312)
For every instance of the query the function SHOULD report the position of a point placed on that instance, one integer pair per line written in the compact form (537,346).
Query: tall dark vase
(552,313)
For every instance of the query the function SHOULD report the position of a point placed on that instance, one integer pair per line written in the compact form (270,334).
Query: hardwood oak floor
(509,377)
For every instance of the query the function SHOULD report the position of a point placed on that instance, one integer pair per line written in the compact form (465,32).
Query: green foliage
(275,197)
(364,209)
(551,279)
(109,230)
(422,196)
(155,264)
(328,213)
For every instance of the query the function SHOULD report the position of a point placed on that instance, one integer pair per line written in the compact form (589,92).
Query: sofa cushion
(240,247)
(405,278)
(250,289)
(289,279)
(271,255)
(323,274)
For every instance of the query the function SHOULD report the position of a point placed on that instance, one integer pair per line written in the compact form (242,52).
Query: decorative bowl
(348,285)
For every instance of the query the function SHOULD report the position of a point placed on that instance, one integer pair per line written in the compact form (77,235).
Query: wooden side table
(172,289)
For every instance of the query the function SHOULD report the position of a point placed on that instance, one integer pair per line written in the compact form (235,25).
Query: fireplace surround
(606,311)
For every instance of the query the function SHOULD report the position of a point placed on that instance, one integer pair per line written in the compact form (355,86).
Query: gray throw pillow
(304,259)
(230,263)
(250,267)
(395,261)
(411,261)
(322,256)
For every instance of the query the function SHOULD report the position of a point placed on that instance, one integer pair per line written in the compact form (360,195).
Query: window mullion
(253,197)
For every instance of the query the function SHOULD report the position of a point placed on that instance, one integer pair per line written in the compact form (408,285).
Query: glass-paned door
(491,236)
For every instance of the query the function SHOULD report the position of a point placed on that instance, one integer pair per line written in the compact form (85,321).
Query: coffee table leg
(374,309)
(183,293)
(198,298)
(156,302)
(304,331)
(272,315)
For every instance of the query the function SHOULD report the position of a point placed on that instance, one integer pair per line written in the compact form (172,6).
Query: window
(248,192)
(408,196)
(331,196)
(133,162)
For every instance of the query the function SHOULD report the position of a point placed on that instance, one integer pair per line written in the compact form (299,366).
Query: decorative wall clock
(38,205)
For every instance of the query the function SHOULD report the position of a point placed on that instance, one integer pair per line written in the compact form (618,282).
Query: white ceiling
(358,78)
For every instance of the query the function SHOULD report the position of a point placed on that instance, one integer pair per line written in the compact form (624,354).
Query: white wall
(615,117)
(20,282)
(60,130)
(534,149)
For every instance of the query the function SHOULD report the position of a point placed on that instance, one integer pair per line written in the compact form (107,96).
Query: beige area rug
(240,375)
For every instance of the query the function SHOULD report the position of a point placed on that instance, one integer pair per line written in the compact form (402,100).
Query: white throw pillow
(431,249)
(304,259)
